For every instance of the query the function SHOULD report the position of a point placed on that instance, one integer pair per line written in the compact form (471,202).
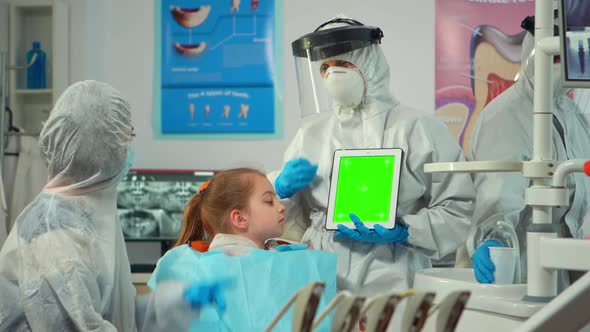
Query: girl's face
(265,214)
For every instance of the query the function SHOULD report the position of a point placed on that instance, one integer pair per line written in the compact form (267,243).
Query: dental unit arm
(564,312)
(378,311)
(306,302)
(348,312)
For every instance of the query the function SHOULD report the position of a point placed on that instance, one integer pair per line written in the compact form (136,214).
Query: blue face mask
(130,159)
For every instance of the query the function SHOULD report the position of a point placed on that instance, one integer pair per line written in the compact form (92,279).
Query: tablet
(364,182)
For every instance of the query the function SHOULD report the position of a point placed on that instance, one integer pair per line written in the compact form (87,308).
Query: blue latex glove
(482,263)
(291,247)
(203,293)
(379,234)
(297,174)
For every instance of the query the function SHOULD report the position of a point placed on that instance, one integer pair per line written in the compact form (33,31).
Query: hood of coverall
(85,138)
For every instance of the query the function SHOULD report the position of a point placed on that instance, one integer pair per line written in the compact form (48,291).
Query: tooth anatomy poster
(217,67)
(478,47)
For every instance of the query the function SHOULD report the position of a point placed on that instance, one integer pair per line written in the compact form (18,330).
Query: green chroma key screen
(364,187)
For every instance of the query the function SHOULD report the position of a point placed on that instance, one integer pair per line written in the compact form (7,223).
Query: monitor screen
(575,42)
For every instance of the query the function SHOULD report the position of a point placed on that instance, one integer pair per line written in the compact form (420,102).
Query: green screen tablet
(366,183)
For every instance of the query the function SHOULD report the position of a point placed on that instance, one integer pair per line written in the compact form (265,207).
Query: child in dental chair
(238,211)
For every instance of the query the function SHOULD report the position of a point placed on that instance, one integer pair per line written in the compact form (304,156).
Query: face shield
(324,76)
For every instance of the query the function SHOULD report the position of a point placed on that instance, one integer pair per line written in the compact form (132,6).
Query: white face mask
(345,85)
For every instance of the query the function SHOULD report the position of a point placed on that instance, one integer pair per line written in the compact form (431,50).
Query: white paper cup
(505,261)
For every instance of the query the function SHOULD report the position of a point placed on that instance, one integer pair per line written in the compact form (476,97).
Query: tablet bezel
(338,154)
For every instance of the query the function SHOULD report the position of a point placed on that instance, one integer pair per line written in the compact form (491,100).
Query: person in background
(501,216)
(64,266)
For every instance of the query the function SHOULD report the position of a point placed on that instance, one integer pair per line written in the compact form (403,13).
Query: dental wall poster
(478,48)
(217,68)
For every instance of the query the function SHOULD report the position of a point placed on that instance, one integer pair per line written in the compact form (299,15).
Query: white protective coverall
(64,266)
(500,196)
(436,207)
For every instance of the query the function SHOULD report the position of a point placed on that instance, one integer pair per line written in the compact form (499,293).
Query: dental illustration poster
(217,66)
(478,47)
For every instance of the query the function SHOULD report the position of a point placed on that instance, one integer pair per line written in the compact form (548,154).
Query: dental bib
(262,283)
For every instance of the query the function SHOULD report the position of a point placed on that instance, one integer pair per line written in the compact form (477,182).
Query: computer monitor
(574,35)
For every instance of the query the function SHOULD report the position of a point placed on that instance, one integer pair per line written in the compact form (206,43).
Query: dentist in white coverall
(350,72)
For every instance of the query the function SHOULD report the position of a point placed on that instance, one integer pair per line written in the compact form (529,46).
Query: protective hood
(85,139)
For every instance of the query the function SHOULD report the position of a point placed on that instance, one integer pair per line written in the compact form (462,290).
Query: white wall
(113,41)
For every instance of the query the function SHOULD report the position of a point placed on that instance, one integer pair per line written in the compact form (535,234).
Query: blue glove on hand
(379,234)
(482,263)
(291,247)
(202,293)
(297,174)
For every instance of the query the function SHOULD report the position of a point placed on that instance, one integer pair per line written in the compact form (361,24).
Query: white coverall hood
(374,68)
(528,67)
